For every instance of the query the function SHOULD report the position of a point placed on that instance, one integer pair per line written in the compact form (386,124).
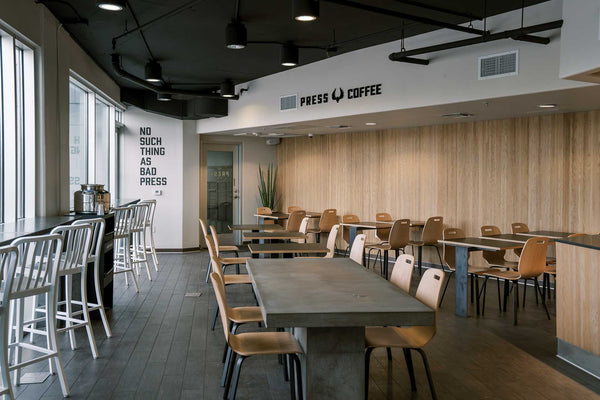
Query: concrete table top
(256,227)
(287,248)
(273,235)
(334,292)
(548,234)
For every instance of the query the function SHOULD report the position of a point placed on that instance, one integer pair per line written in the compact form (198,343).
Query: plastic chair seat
(229,248)
(256,343)
(379,246)
(414,337)
(243,315)
(416,243)
(505,264)
(510,275)
(234,260)
(237,279)
(472,269)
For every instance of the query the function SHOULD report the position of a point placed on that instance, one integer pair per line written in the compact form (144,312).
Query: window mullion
(91,134)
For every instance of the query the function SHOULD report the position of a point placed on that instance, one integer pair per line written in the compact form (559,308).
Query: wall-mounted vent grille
(287,103)
(498,65)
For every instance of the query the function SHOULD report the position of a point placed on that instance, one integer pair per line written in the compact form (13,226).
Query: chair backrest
(430,287)
(217,266)
(264,211)
(219,288)
(328,219)
(8,263)
(203,227)
(492,257)
(295,220)
(433,230)
(532,262)
(304,225)
(403,272)
(449,252)
(291,209)
(210,244)
(151,210)
(215,238)
(331,241)
(577,234)
(37,265)
(138,219)
(400,234)
(98,227)
(348,219)
(122,222)
(383,233)
(77,240)
(519,227)
(356,252)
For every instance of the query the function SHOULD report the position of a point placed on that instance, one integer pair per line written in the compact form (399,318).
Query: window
(92,138)
(17,129)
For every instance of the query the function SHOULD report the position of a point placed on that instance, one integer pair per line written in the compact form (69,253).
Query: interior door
(222,190)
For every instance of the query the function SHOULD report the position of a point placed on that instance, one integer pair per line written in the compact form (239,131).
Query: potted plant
(267,181)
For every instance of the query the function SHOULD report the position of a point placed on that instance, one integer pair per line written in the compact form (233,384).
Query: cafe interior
(300,198)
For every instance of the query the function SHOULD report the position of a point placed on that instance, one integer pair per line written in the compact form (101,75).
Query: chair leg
(524,291)
(537,288)
(440,257)
(515,300)
(232,361)
(411,369)
(483,290)
(506,283)
(428,372)
(298,371)
(212,328)
(86,315)
(286,361)
(446,287)
(236,377)
(475,280)
(69,309)
(228,356)
(389,353)
(367,362)
(99,300)
(499,301)
(535,291)
(208,269)
(51,330)
(4,374)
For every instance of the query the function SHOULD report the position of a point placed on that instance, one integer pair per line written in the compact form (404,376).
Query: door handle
(236,197)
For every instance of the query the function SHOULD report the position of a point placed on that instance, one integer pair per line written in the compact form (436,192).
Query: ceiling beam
(441,9)
(410,17)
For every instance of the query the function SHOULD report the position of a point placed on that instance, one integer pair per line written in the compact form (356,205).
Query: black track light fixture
(164,97)
(153,71)
(236,35)
(289,55)
(111,5)
(305,10)
(227,88)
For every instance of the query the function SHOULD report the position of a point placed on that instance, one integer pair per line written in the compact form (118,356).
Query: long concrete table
(329,302)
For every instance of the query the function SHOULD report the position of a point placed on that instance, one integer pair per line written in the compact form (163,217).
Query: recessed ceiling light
(547,105)
(227,88)
(111,5)
(289,55)
(370,123)
(236,35)
(153,72)
(305,10)
(164,97)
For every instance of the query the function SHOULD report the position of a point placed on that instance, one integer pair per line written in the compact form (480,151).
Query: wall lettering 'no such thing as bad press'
(150,148)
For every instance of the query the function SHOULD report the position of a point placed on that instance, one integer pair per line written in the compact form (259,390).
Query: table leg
(420,257)
(461,277)
(333,363)
(351,236)
(385,263)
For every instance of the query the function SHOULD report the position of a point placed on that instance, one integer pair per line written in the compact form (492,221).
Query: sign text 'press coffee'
(340,94)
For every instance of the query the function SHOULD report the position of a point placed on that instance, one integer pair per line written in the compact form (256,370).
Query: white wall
(451,76)
(56,54)
(191,188)
(580,44)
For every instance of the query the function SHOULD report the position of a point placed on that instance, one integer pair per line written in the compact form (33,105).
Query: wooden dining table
(463,247)
(328,303)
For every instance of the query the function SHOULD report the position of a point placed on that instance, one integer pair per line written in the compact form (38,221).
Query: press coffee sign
(340,94)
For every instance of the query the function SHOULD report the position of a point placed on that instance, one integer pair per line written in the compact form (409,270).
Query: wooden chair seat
(550,260)
(379,246)
(550,269)
(474,269)
(414,337)
(416,243)
(510,275)
(234,260)
(505,264)
(229,248)
(237,279)
(313,230)
(257,343)
(244,315)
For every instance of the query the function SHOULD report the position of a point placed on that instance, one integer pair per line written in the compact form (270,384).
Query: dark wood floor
(163,348)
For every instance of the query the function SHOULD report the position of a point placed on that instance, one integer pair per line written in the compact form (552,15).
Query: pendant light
(153,72)
(111,5)
(289,55)
(227,88)
(164,97)
(235,35)
(305,10)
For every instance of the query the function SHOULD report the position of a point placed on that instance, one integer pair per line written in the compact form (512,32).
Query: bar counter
(578,305)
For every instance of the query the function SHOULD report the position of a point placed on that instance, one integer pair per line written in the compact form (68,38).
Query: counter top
(589,241)
(32,226)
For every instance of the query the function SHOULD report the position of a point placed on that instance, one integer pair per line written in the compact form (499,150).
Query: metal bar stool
(149,227)
(122,244)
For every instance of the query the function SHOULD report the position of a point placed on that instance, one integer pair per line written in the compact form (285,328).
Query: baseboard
(186,250)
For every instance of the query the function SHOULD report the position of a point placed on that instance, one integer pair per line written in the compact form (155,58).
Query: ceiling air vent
(498,65)
(287,103)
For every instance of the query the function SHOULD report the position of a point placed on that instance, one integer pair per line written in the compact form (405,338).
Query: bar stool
(8,261)
(122,244)
(74,259)
(96,249)
(35,275)
(432,232)
(138,233)
(151,248)
(327,220)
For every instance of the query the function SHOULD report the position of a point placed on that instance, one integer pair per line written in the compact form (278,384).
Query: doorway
(223,190)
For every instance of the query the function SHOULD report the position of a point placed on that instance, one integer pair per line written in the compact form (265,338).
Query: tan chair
(327,220)
(226,260)
(349,219)
(403,272)
(302,229)
(291,209)
(383,233)
(432,232)
(247,344)
(399,238)
(222,249)
(330,243)
(551,271)
(412,338)
(519,227)
(531,265)
(496,258)
(450,260)
(295,220)
(264,211)
(358,249)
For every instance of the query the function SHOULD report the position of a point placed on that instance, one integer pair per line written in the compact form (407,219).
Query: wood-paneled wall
(542,170)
